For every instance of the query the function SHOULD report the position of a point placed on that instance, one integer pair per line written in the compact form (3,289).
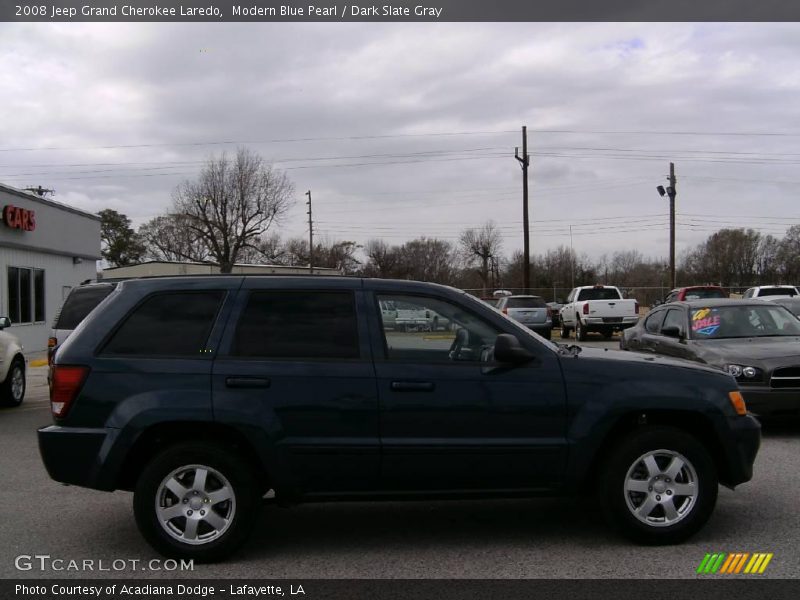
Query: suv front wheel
(197,501)
(659,486)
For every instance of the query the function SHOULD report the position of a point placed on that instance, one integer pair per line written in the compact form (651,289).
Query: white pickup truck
(598,308)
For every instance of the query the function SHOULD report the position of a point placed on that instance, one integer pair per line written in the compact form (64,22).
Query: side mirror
(672,331)
(507,349)
(5,322)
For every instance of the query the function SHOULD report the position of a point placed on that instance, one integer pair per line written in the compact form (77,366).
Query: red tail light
(586,308)
(66,382)
(505,311)
(549,312)
(636,308)
(52,342)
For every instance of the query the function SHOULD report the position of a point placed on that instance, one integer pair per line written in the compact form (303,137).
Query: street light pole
(671,192)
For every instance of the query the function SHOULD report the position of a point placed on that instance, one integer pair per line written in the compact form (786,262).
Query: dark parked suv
(202,394)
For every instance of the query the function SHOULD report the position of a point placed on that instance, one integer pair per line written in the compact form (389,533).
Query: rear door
(295,369)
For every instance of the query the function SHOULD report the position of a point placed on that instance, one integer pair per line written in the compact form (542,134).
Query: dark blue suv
(202,394)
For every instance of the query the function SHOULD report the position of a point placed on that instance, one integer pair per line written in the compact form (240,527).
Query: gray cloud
(84,86)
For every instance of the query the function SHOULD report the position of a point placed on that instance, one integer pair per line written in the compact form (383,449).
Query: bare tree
(427,259)
(233,203)
(169,237)
(382,259)
(480,246)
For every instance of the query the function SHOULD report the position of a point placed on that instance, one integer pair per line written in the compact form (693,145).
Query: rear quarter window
(78,305)
(167,324)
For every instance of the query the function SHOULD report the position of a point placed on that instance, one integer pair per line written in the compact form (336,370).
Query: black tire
(691,513)
(548,334)
(246,488)
(12,390)
(580,331)
(564,331)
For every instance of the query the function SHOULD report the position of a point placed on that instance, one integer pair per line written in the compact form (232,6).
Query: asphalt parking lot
(520,538)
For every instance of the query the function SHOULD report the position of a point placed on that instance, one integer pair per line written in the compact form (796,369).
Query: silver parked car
(531,311)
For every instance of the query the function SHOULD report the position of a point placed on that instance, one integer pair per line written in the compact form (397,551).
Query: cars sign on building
(46,248)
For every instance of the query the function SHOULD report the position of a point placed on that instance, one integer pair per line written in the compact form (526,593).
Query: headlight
(735,370)
(743,372)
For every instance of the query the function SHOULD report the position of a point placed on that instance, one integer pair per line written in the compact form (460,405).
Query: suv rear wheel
(659,486)
(197,501)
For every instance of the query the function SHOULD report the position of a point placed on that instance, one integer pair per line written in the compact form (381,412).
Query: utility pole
(525,162)
(671,192)
(571,258)
(310,236)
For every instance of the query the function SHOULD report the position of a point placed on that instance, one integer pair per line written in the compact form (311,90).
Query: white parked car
(12,367)
(771,290)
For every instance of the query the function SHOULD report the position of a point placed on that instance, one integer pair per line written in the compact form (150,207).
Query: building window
(25,295)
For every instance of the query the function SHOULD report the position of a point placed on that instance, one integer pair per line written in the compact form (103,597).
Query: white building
(46,248)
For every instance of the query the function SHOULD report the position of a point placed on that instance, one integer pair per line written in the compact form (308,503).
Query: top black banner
(399,10)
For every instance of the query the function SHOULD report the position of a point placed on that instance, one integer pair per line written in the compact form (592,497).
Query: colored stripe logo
(734,563)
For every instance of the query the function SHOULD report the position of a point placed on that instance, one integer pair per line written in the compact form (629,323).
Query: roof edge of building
(31,196)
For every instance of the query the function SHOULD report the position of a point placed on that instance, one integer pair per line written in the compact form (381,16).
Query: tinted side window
(653,322)
(80,303)
(168,324)
(675,318)
(303,324)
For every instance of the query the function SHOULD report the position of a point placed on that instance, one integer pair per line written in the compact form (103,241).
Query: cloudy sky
(403,130)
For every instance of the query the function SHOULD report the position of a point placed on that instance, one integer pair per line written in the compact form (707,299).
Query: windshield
(530,302)
(743,321)
(599,294)
(793,304)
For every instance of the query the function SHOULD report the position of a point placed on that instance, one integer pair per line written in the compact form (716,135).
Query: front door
(453,419)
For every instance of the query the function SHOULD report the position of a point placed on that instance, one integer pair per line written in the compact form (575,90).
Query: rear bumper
(599,323)
(740,449)
(764,400)
(74,455)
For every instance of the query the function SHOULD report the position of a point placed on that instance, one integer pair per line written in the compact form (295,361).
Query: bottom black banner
(404,589)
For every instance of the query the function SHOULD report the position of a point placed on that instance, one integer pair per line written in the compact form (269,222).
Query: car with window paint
(756,341)
(203,394)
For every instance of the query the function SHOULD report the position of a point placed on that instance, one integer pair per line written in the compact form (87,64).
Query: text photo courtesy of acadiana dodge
(135,591)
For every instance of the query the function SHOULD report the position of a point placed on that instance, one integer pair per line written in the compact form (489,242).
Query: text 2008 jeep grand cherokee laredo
(201,394)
